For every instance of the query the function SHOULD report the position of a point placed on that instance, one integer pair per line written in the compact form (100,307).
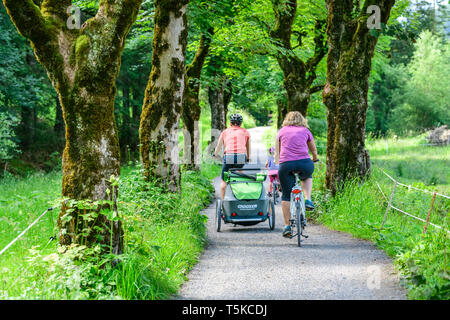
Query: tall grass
(22,200)
(164,235)
(411,160)
(360,207)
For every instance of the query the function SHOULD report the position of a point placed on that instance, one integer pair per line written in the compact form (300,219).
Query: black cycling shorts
(234,161)
(287,179)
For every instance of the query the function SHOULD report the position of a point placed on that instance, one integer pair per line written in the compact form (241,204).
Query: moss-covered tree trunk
(351,48)
(191,104)
(82,65)
(282,111)
(163,100)
(59,128)
(298,75)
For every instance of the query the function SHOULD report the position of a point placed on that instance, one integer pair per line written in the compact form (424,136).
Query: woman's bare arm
(313,149)
(276,156)
(248,150)
(219,146)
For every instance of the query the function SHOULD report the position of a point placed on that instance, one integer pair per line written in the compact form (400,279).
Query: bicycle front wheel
(299,223)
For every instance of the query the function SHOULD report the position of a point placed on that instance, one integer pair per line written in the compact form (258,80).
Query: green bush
(8,143)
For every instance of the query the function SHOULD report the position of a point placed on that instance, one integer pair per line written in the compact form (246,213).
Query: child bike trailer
(245,202)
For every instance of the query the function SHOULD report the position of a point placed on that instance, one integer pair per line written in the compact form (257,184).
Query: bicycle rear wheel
(276,194)
(271,210)
(218,215)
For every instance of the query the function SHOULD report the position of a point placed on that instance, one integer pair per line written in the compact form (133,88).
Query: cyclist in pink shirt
(236,143)
(291,151)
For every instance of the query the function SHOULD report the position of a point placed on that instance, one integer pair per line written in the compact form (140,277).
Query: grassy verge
(411,160)
(164,236)
(360,209)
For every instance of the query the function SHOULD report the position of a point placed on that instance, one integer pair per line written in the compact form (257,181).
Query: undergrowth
(164,235)
(360,208)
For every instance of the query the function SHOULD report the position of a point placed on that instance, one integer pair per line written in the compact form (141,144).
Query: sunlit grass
(360,209)
(164,235)
(410,160)
(22,200)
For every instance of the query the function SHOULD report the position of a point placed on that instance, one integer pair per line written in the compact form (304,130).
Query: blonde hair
(295,118)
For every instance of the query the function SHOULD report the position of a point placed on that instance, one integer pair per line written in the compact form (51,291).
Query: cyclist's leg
(287,181)
(307,188)
(223,184)
(270,183)
(307,169)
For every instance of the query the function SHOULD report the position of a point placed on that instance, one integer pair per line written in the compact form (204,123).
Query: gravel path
(251,263)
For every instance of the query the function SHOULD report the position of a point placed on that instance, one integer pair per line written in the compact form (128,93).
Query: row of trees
(408,92)
(83,65)
(229,39)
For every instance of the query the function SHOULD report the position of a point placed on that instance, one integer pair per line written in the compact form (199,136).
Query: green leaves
(8,144)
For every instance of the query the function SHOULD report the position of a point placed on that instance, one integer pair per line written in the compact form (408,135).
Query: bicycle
(297,209)
(276,190)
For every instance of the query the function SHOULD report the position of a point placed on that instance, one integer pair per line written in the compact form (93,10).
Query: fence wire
(434,210)
(25,231)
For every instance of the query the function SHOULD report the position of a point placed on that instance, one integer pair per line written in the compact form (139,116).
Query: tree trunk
(82,65)
(298,76)
(351,48)
(164,96)
(297,89)
(282,111)
(191,105)
(59,127)
(219,97)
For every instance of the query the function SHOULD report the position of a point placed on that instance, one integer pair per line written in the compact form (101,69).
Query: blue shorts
(287,179)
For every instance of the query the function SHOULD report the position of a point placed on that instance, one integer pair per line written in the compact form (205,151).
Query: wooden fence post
(428,217)
(389,205)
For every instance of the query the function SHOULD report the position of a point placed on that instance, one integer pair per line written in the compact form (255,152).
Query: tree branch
(118,16)
(56,9)
(284,20)
(195,68)
(28,19)
(34,24)
(320,46)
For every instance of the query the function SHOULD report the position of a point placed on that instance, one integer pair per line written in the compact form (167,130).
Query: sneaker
(269,194)
(309,205)
(287,232)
